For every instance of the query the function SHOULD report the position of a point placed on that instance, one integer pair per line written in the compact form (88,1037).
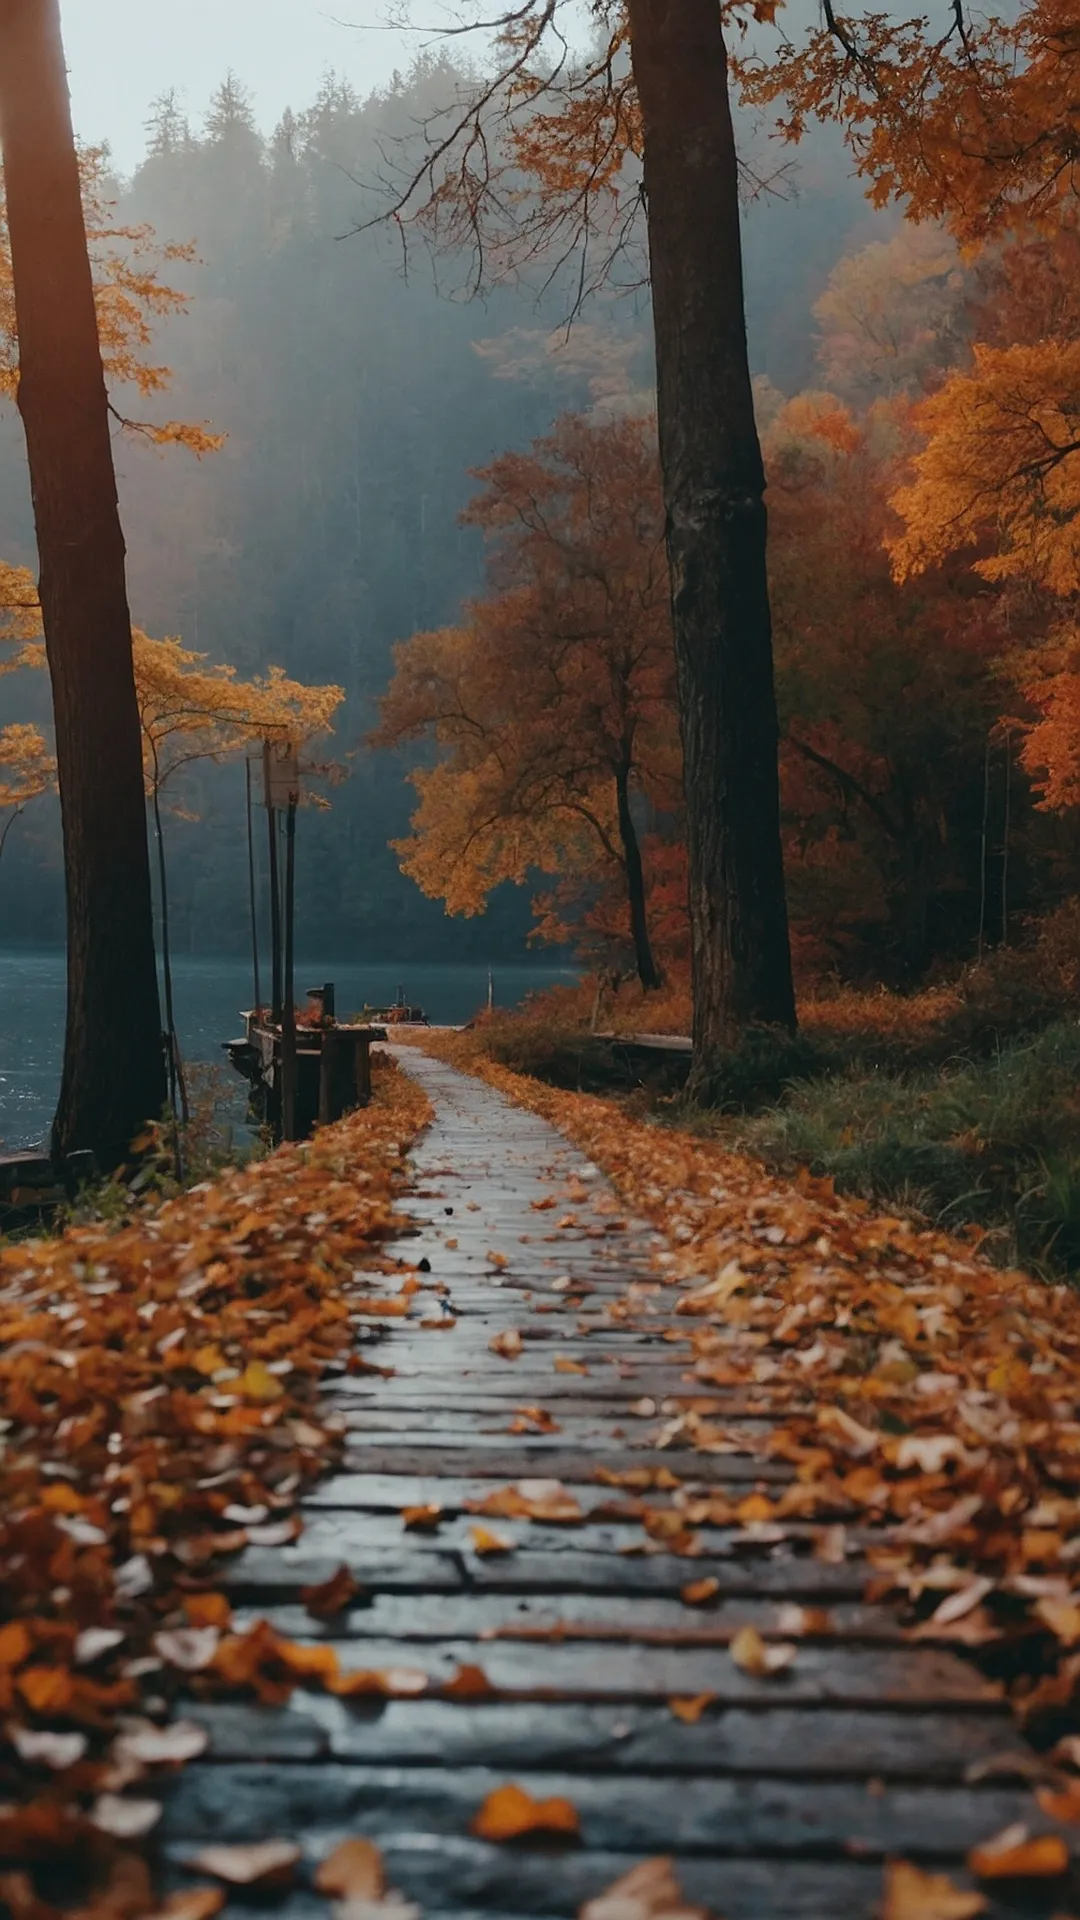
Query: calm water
(209,995)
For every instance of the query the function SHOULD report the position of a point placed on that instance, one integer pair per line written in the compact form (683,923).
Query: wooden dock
(780,1798)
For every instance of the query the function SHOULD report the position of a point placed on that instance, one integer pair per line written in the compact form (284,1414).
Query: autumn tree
(113,1074)
(552,704)
(887,696)
(27,770)
(191,712)
(551,160)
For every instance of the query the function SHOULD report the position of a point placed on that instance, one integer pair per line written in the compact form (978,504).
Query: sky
(122,53)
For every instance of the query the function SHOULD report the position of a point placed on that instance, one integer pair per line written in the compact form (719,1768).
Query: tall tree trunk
(714,488)
(113,1077)
(647,970)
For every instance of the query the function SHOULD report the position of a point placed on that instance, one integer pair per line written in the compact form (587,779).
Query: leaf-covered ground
(159,1388)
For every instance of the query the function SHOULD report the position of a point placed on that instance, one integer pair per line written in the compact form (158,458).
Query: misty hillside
(355,397)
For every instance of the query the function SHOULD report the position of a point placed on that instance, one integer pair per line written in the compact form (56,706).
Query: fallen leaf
(354,1870)
(486,1540)
(793,1618)
(1062,1617)
(46,1749)
(422,1518)
(689,1708)
(149,1746)
(124,1819)
(258,1384)
(208,1610)
(650,1891)
(564,1365)
(1011,1855)
(264,1863)
(15,1643)
(956,1605)
(192,1649)
(1064,1806)
(696,1592)
(468,1683)
(761,1658)
(911,1894)
(509,1811)
(507,1343)
(93,1643)
(331,1597)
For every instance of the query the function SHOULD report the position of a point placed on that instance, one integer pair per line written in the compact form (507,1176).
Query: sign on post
(281,774)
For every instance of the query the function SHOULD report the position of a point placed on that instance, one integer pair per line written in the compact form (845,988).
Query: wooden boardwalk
(783,1799)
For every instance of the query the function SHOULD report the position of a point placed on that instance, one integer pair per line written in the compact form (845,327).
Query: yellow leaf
(257,1383)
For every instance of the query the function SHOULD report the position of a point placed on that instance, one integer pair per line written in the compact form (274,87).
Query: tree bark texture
(647,970)
(714,486)
(113,1075)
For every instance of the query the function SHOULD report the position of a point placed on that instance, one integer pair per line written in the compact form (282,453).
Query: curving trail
(780,1801)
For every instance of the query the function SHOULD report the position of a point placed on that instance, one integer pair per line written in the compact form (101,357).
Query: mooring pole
(275,893)
(252,905)
(288,1010)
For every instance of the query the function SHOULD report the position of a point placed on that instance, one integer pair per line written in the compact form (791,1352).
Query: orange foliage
(556,693)
(130,295)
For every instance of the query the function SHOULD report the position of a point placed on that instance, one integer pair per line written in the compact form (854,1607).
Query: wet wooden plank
(260,1571)
(909,1677)
(644,1621)
(778,1741)
(705,1816)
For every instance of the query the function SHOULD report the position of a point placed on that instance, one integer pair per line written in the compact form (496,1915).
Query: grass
(961,1103)
(991,1143)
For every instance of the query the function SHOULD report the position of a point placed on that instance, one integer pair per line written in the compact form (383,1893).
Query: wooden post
(288,1005)
(275,894)
(252,907)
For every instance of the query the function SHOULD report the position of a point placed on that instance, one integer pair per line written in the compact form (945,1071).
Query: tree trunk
(714,486)
(647,970)
(113,1077)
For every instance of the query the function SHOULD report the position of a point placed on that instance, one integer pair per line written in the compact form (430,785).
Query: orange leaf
(486,1540)
(563,1365)
(1012,1856)
(689,1708)
(510,1811)
(207,1609)
(15,1643)
(696,1592)
(468,1683)
(46,1689)
(331,1596)
(422,1518)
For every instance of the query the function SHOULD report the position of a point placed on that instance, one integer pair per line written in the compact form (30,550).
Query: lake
(209,995)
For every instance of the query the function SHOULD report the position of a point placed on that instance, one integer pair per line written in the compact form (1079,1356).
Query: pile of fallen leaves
(159,1386)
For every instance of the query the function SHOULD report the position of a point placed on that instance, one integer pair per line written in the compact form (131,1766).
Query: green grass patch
(991,1141)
